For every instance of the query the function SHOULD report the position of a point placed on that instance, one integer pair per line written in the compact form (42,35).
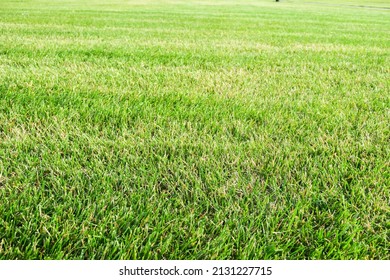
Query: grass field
(201,129)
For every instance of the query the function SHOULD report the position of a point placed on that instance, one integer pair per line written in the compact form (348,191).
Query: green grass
(194,129)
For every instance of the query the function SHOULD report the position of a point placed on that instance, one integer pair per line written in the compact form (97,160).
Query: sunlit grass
(194,130)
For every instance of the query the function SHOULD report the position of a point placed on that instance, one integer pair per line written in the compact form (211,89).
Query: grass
(194,129)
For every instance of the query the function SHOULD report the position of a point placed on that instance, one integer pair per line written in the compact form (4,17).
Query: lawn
(175,129)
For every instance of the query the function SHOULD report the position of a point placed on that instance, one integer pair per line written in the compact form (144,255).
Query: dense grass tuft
(194,129)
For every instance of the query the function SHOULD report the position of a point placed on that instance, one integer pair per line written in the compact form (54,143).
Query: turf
(194,129)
